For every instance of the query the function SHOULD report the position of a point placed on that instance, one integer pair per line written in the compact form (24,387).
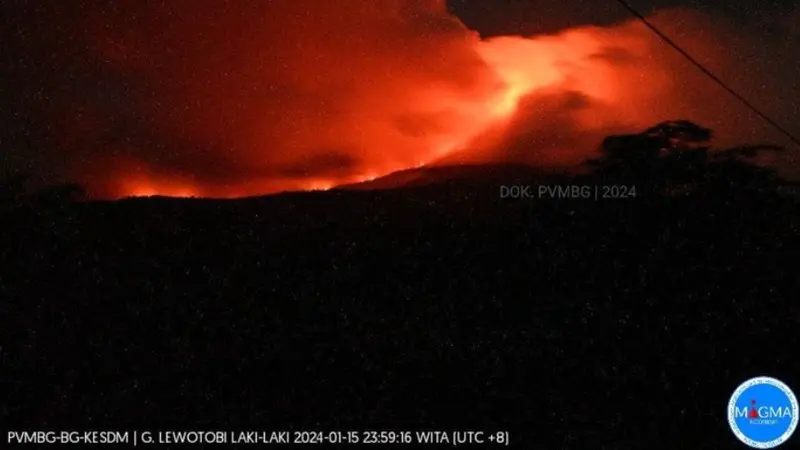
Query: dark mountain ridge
(570,322)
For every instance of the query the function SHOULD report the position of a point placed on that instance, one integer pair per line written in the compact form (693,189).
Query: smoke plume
(212,98)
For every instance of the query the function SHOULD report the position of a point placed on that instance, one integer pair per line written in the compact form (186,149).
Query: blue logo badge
(762,412)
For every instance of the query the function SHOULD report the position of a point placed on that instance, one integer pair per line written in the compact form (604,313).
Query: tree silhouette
(675,154)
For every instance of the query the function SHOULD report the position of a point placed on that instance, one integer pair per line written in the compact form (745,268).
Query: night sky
(524,16)
(217,98)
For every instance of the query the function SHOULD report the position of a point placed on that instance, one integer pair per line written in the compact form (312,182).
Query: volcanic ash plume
(248,97)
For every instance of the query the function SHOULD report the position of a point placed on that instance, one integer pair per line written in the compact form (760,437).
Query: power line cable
(707,72)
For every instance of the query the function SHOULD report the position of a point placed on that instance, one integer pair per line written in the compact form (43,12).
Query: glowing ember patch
(166,188)
(319,185)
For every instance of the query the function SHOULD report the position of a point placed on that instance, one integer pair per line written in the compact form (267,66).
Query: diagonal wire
(707,72)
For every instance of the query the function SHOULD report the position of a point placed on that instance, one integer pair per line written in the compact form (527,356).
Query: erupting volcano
(244,98)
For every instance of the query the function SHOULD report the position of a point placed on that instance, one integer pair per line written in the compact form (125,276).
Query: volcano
(467,175)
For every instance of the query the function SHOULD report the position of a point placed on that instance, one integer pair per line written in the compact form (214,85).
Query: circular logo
(762,412)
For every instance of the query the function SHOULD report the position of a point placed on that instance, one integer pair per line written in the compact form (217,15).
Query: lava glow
(133,187)
(246,98)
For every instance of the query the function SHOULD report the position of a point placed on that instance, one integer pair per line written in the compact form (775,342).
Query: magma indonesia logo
(762,412)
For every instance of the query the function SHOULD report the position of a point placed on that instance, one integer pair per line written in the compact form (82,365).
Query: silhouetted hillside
(489,174)
(573,323)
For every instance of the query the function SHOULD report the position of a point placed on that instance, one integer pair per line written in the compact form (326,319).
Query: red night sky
(226,99)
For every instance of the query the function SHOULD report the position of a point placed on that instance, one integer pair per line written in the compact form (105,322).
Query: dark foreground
(572,324)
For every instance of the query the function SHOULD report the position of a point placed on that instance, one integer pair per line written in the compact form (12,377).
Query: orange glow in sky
(278,105)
